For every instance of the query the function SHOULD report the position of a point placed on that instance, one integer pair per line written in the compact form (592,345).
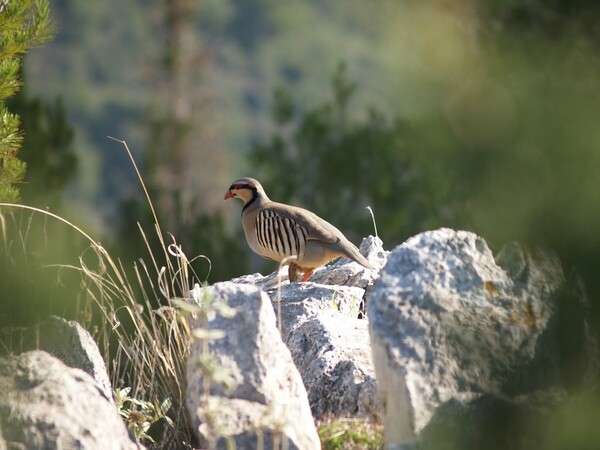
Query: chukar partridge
(277,231)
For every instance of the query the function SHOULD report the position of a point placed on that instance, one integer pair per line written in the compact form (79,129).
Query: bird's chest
(250,233)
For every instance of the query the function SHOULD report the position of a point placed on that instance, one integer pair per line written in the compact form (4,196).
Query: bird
(289,234)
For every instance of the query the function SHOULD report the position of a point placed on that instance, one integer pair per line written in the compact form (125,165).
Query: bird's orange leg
(307,275)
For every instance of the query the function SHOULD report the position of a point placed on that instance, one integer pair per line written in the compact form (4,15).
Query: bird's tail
(354,254)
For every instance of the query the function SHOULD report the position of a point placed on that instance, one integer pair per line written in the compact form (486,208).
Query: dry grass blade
(373,219)
(54,216)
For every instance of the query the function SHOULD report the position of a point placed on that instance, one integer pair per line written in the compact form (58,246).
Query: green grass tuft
(350,434)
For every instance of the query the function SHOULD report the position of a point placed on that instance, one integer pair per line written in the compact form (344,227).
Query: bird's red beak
(228,195)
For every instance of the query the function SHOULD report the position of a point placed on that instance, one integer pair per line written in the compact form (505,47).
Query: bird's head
(246,189)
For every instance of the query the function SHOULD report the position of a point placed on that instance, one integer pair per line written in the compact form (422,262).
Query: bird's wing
(316,228)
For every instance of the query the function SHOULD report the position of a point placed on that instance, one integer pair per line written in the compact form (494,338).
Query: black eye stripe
(241,186)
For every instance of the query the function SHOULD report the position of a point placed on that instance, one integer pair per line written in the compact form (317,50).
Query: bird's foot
(293,273)
(307,275)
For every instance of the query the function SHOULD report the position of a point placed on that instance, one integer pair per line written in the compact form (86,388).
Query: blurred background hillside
(128,70)
(478,115)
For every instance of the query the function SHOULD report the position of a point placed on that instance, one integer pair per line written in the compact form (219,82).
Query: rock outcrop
(46,404)
(328,342)
(72,344)
(265,401)
(449,324)
(334,357)
(452,347)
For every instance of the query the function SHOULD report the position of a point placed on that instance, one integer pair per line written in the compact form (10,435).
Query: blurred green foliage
(47,149)
(31,242)
(495,131)
(337,162)
(98,65)
(574,424)
(38,255)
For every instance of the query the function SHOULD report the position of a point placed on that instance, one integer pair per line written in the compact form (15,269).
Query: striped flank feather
(279,236)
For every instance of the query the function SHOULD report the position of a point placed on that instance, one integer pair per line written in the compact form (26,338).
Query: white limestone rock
(46,404)
(266,399)
(446,321)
